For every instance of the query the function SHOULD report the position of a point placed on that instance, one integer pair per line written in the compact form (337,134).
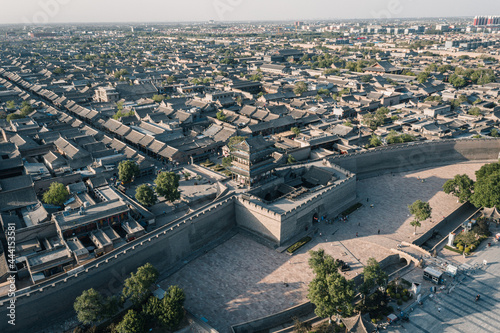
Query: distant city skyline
(81,11)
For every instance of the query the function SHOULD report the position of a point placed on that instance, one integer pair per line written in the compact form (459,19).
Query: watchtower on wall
(252,161)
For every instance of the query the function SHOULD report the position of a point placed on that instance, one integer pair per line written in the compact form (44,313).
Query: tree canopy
(138,286)
(300,88)
(167,185)
(373,274)
(89,306)
(132,322)
(329,291)
(145,195)
(460,186)
(487,186)
(420,210)
(158,98)
(127,170)
(56,194)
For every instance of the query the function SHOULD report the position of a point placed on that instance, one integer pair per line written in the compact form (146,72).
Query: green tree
(119,106)
(295,130)
(415,224)
(173,311)
(59,70)
(300,88)
(167,185)
(460,186)
(56,194)
(373,274)
(234,140)
(331,295)
(475,111)
(322,264)
(329,291)
(145,195)
(375,141)
(26,109)
(132,322)
(89,306)
(171,79)
(494,133)
(421,211)
(371,121)
(138,286)
(11,105)
(291,159)
(221,116)
(457,81)
(226,161)
(422,77)
(486,189)
(127,170)
(153,308)
(13,116)
(158,98)
(366,78)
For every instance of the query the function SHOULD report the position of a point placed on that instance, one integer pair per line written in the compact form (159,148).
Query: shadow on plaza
(384,215)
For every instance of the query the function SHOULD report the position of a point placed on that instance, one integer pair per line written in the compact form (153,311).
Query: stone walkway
(242,280)
(457,311)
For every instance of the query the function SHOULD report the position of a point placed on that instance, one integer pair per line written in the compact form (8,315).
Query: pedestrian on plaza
(379,231)
(359,224)
(439,309)
(356,234)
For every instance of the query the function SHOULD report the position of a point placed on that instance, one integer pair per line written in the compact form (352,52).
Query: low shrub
(298,245)
(399,302)
(398,296)
(452,249)
(341,325)
(352,209)
(405,298)
(460,248)
(467,250)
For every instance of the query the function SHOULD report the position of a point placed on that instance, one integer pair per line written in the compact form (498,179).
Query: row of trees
(331,292)
(167,184)
(24,110)
(481,193)
(374,120)
(92,307)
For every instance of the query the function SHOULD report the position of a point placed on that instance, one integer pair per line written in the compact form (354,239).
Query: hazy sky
(56,11)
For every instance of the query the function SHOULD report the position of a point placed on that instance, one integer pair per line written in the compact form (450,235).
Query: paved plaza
(458,311)
(243,280)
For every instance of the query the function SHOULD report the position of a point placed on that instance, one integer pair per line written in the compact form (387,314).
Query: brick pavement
(243,280)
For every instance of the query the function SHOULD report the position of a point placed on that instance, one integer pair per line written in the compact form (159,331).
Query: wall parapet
(101,262)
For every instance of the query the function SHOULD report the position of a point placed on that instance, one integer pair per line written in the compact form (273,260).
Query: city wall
(330,201)
(400,158)
(53,299)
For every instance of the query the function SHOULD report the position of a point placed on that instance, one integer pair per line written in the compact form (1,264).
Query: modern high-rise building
(486,20)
